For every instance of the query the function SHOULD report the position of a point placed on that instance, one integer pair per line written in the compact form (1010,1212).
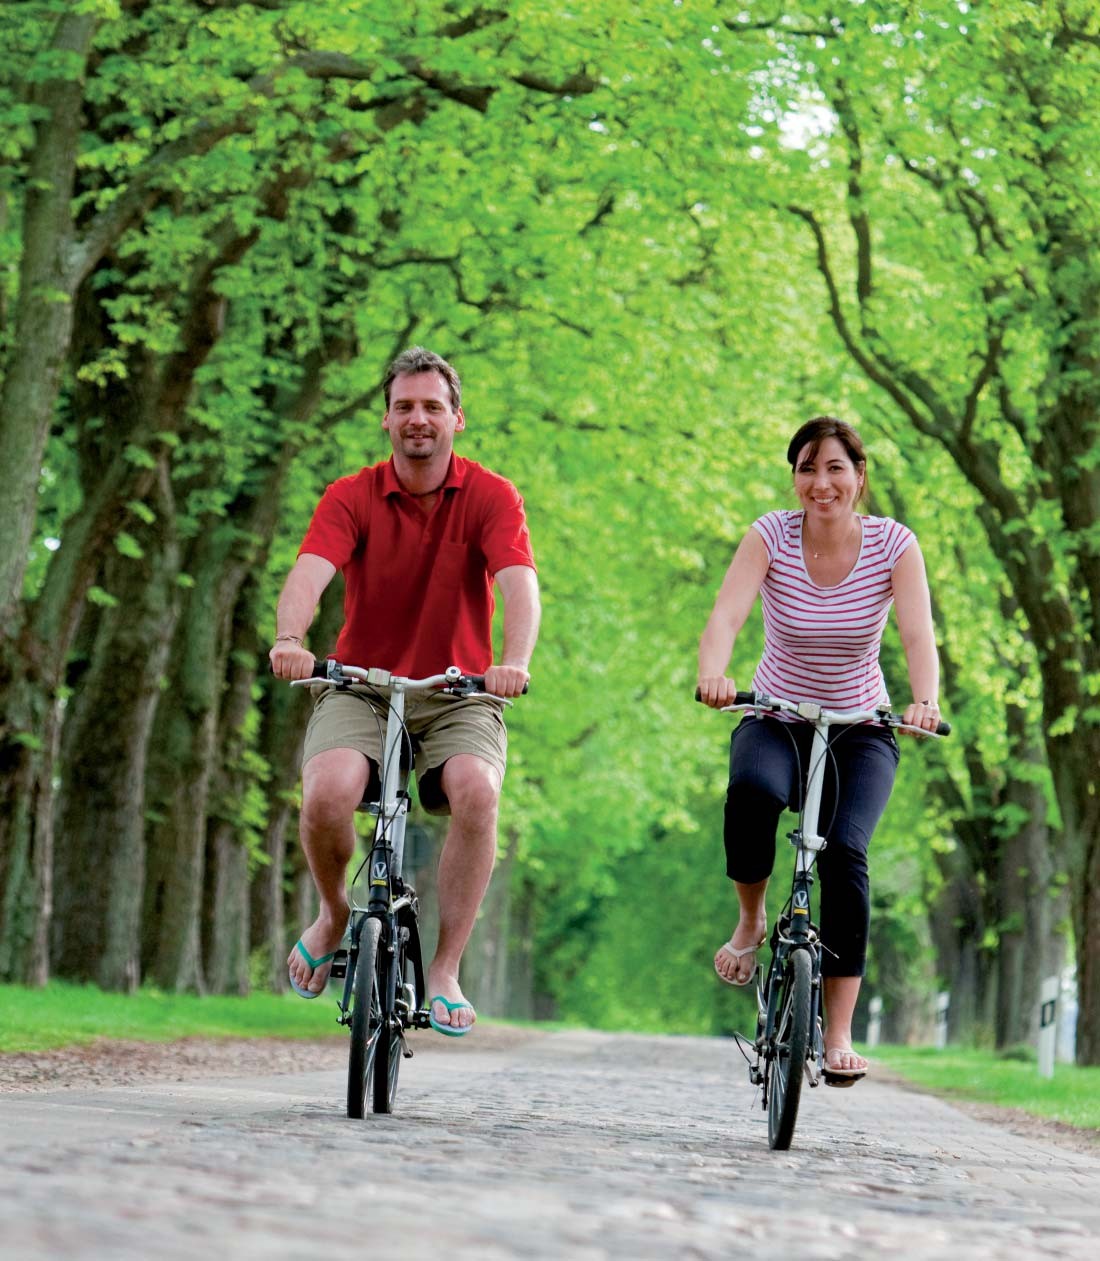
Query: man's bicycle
(382,966)
(789,1044)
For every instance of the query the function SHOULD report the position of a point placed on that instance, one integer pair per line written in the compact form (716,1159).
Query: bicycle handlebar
(809,711)
(452,680)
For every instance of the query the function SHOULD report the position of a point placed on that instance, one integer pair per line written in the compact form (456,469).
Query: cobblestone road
(564,1145)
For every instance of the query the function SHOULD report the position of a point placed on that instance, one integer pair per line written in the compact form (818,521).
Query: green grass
(1071,1096)
(63,1014)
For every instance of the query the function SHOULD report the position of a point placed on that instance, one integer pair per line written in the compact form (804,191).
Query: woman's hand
(716,690)
(924,714)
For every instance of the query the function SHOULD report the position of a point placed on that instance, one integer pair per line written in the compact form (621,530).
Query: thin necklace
(818,555)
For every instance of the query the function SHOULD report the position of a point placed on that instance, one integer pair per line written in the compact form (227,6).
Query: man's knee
(472,787)
(333,783)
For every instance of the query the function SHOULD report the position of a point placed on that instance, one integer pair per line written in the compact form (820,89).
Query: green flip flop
(314,964)
(448,1031)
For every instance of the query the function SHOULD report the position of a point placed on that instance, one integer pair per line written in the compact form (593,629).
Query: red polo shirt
(419,585)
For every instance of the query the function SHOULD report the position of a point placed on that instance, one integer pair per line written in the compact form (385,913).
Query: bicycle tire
(387,1060)
(366,1019)
(787,1055)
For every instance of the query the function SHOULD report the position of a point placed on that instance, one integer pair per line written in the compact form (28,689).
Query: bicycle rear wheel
(392,984)
(787,1055)
(366,1019)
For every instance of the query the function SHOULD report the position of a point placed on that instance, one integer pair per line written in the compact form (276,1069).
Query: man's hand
(506,680)
(290,660)
(716,690)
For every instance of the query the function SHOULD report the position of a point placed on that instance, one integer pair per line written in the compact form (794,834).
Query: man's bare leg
(472,787)
(332,786)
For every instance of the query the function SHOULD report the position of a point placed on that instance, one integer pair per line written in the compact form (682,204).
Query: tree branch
(141,191)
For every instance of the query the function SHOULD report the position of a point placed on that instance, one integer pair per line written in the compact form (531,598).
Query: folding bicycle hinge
(339,965)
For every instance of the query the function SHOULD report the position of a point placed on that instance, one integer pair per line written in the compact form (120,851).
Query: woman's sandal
(738,955)
(841,1076)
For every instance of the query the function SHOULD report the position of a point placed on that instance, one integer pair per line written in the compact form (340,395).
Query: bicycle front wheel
(394,986)
(787,1055)
(366,1019)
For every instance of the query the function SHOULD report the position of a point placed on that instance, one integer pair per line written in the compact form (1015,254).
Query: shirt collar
(456,475)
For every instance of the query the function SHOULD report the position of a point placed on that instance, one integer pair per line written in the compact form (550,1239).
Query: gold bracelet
(297,639)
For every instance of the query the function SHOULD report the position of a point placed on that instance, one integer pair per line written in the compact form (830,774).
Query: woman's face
(827,483)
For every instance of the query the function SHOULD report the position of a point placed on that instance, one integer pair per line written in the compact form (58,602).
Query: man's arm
(519,585)
(298,601)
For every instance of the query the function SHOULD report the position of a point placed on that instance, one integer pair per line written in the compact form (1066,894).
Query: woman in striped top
(826,576)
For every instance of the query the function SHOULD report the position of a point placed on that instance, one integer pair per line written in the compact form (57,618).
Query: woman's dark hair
(814,432)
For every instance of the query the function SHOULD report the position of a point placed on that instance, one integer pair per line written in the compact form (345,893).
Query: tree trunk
(225,919)
(957,921)
(225,935)
(1027,913)
(101,816)
(44,309)
(285,714)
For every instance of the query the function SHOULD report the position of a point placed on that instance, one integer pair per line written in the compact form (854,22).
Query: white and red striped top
(822,643)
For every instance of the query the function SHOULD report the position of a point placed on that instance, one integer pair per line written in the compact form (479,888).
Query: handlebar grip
(320,669)
(478,680)
(944,729)
(740,698)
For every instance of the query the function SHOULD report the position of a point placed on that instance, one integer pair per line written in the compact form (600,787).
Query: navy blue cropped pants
(768,764)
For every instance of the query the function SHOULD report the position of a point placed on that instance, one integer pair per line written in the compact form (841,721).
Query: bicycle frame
(387,897)
(794,930)
(379,1002)
(799,932)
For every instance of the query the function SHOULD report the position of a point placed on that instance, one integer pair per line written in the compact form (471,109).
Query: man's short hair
(415,360)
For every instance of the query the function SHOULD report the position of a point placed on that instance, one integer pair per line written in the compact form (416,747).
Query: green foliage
(588,209)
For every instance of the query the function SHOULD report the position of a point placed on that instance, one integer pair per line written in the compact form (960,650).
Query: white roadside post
(874,1021)
(943,1002)
(1048,1025)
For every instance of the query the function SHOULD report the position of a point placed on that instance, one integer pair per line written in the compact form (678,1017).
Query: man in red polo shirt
(421,538)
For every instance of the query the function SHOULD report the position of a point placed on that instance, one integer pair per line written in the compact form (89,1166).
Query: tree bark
(44,309)
(101,811)
(285,713)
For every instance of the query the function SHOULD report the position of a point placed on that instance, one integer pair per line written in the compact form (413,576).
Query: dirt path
(508,1144)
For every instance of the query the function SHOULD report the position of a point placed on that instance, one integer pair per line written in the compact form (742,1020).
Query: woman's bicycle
(381,965)
(789,1044)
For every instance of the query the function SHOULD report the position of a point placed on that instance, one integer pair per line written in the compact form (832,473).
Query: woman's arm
(913,605)
(736,597)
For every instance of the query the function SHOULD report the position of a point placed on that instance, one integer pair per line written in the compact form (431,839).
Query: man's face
(420,419)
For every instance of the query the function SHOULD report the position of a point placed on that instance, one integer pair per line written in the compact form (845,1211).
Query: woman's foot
(843,1067)
(310,961)
(735,960)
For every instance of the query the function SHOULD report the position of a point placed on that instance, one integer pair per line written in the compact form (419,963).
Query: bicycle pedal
(419,1019)
(339,965)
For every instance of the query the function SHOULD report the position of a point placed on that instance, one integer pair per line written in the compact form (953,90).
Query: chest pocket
(451,561)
